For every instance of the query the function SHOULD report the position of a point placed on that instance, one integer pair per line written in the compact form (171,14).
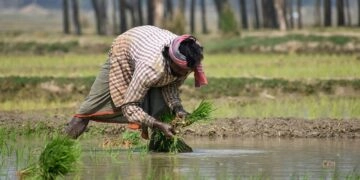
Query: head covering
(180,60)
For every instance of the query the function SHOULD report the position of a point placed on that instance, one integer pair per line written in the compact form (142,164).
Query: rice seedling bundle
(60,157)
(160,143)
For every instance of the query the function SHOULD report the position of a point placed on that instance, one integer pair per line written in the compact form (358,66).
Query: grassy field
(47,74)
(51,65)
(270,84)
(308,107)
(292,66)
(229,103)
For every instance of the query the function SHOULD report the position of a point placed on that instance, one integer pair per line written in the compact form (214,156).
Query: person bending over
(140,81)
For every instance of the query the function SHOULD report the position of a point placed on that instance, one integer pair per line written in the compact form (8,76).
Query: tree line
(171,14)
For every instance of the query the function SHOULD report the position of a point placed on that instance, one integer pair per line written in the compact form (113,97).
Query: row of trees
(275,14)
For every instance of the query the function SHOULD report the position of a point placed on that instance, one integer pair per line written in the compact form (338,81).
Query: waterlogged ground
(232,158)
(49,121)
(233,148)
(219,158)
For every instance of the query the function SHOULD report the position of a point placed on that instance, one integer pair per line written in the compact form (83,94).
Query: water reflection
(241,158)
(231,158)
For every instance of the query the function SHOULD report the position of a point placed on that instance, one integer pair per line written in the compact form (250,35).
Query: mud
(25,122)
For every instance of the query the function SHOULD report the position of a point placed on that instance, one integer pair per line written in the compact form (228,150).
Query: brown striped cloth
(136,65)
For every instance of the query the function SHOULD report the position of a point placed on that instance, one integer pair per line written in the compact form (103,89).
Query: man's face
(178,71)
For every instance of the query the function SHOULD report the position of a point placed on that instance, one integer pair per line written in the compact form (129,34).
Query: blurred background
(276,68)
(264,58)
(111,17)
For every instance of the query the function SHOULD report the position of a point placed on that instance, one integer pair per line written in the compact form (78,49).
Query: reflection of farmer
(140,81)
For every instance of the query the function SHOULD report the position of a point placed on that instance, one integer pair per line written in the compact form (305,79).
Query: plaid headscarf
(180,60)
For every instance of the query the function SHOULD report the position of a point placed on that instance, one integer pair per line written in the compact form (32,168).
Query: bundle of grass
(60,157)
(160,143)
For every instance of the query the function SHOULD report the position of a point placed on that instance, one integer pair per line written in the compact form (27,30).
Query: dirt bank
(277,127)
(34,122)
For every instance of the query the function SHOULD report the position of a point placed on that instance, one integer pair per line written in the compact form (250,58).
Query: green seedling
(160,143)
(60,157)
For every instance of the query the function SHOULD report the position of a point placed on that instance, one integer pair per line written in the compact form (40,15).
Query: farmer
(140,81)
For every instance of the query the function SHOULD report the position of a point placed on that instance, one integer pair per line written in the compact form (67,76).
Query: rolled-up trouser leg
(76,127)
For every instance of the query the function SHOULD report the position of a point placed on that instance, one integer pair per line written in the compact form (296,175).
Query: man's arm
(172,97)
(143,78)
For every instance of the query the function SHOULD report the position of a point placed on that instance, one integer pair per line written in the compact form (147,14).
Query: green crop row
(221,65)
(65,89)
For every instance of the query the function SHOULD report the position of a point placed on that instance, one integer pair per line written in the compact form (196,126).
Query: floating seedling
(160,143)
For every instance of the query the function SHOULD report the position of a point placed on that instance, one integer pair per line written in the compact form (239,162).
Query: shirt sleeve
(171,93)
(141,82)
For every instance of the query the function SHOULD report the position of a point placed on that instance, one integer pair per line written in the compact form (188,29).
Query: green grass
(246,43)
(47,65)
(35,104)
(158,141)
(299,106)
(225,65)
(131,136)
(291,66)
(309,107)
(60,156)
(231,78)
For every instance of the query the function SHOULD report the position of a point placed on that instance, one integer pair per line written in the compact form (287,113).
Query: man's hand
(167,129)
(180,112)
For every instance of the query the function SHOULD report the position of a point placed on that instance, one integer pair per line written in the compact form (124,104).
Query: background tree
(76,18)
(243,14)
(122,16)
(348,14)
(219,8)
(299,7)
(177,22)
(140,12)
(113,15)
(291,13)
(203,17)
(182,5)
(169,10)
(66,25)
(227,20)
(103,16)
(100,16)
(256,14)
(192,15)
(131,6)
(158,13)
(269,15)
(317,13)
(280,6)
(327,13)
(340,12)
(358,13)
(150,12)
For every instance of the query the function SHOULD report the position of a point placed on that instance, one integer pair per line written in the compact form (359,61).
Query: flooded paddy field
(277,116)
(213,158)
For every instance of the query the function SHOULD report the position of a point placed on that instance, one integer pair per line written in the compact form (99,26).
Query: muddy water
(231,158)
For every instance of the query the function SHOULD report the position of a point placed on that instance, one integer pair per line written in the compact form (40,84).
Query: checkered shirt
(137,64)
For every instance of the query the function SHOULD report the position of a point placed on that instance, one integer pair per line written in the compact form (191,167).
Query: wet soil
(277,127)
(226,127)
